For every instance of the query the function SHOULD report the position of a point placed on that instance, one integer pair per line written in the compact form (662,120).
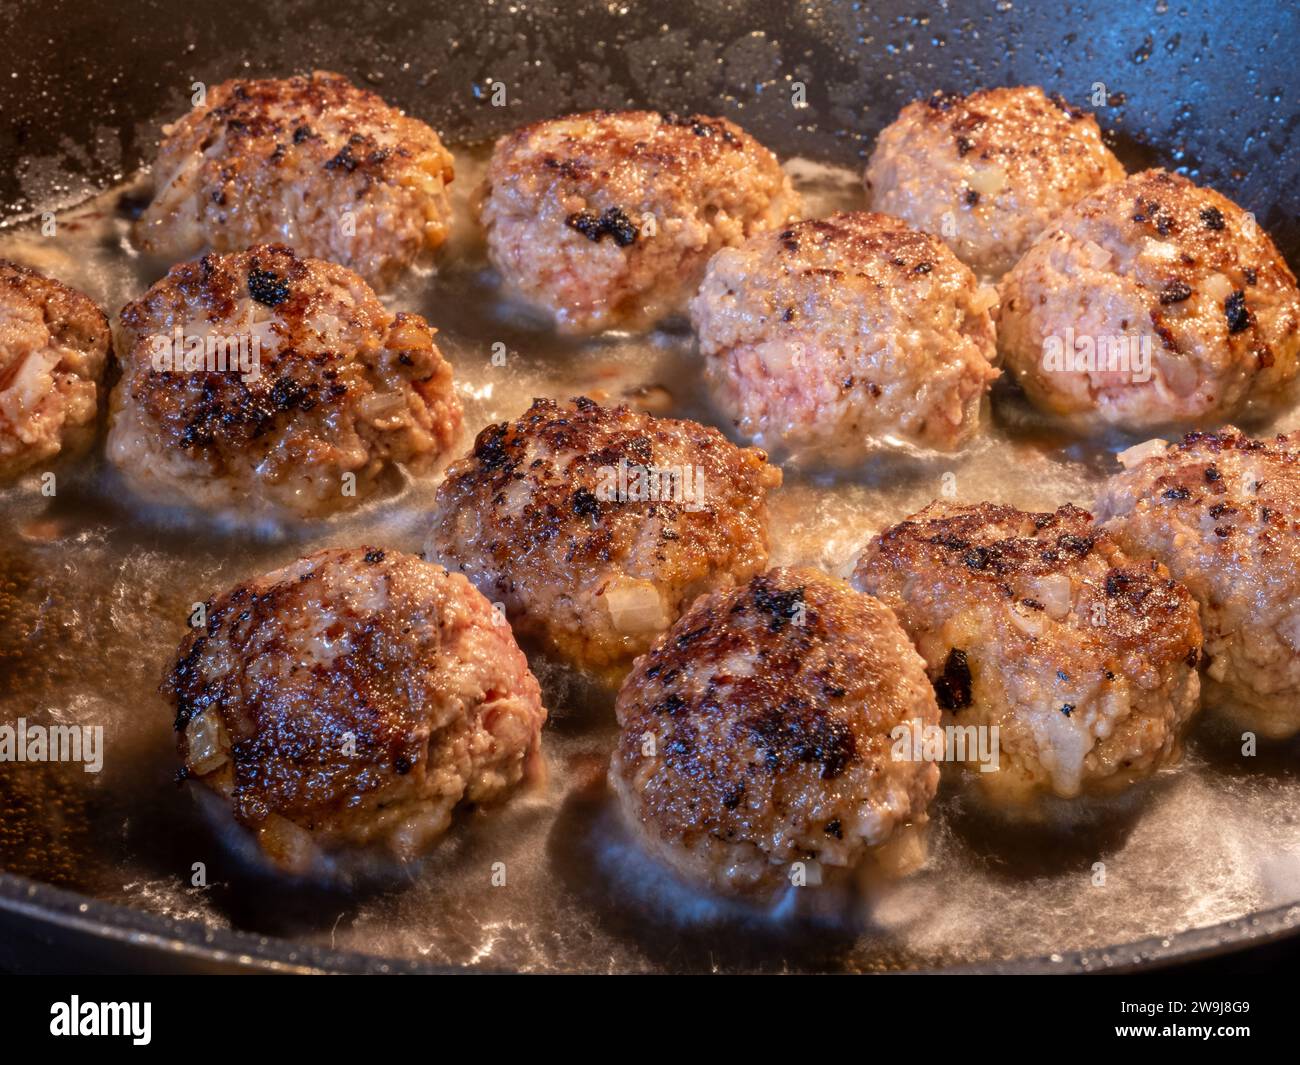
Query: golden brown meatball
(339,391)
(54,344)
(835,337)
(1152,302)
(1222,511)
(606,219)
(756,734)
(313,162)
(1040,625)
(353,699)
(988,171)
(598,526)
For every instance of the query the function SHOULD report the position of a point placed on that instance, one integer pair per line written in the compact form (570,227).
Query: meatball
(1222,511)
(351,700)
(606,219)
(833,336)
(988,171)
(314,162)
(275,385)
(756,734)
(1151,302)
(1039,625)
(596,526)
(54,345)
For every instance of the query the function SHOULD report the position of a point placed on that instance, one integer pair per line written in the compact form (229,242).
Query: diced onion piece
(30,387)
(1062,747)
(1217,287)
(988,181)
(325,324)
(1179,374)
(985,298)
(288,845)
(1116,705)
(780,357)
(904,852)
(1028,620)
(203,738)
(268,340)
(1158,249)
(1139,453)
(410,333)
(1095,255)
(635,606)
(379,405)
(1053,591)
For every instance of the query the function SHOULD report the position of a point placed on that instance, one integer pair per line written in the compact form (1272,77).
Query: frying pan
(1204,88)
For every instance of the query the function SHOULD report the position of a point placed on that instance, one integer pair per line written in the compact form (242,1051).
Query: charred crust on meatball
(942,100)
(967,114)
(993,544)
(267,157)
(798,731)
(613,222)
(857,237)
(1189,476)
(775,710)
(560,498)
(304,397)
(771,743)
(701,126)
(1236,312)
(780,605)
(1176,209)
(50,325)
(952,688)
(1061,102)
(674,143)
(601,436)
(250,108)
(73,318)
(266,286)
(309,739)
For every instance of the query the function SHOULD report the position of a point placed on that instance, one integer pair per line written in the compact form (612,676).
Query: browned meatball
(1222,511)
(314,162)
(341,388)
(597,526)
(54,344)
(606,219)
(1148,303)
(838,336)
(988,171)
(756,734)
(352,700)
(1039,624)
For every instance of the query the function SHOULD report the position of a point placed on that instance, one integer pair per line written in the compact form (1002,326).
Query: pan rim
(192,939)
